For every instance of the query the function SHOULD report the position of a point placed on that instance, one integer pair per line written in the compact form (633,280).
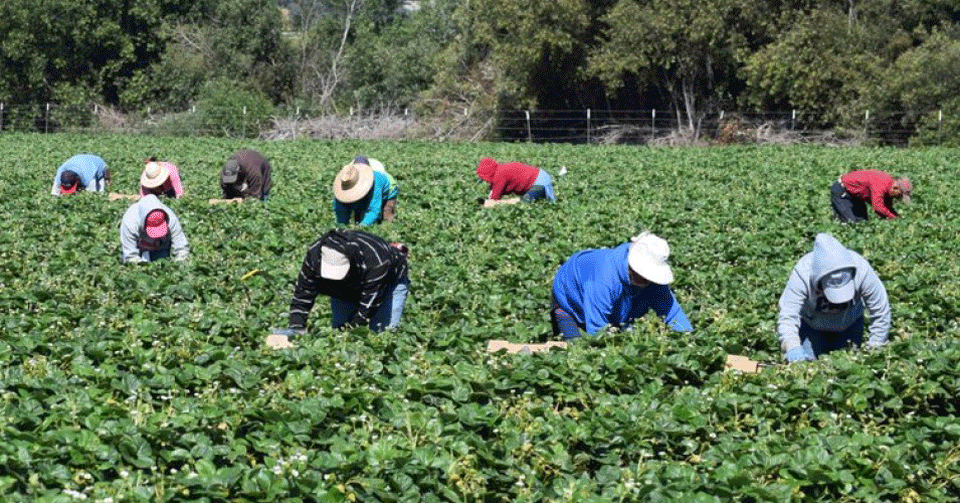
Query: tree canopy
(830,58)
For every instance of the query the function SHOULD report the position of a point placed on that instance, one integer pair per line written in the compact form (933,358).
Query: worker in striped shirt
(364,276)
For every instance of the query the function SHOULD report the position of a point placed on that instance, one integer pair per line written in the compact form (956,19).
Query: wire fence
(597,126)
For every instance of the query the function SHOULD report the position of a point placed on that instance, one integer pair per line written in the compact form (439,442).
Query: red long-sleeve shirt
(873,186)
(508,178)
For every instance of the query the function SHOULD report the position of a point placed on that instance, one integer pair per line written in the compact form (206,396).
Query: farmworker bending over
(599,287)
(81,172)
(160,179)
(821,308)
(515,178)
(361,192)
(850,193)
(245,175)
(364,276)
(150,231)
(390,205)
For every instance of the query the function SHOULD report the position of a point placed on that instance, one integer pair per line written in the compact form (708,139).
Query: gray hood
(829,256)
(802,302)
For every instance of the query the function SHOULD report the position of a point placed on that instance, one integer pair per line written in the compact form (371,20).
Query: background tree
(684,51)
(234,40)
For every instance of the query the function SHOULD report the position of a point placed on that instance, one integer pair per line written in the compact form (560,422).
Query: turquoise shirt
(369,209)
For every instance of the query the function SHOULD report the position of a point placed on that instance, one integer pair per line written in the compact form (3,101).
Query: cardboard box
(496,345)
(742,363)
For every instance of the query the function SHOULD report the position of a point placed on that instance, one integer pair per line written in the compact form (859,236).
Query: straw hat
(154,175)
(648,257)
(352,183)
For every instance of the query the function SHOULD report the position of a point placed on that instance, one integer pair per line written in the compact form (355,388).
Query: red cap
(156,224)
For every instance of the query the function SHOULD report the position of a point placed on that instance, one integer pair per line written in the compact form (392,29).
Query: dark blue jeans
(818,342)
(847,208)
(562,322)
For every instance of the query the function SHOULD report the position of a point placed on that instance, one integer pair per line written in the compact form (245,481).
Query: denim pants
(542,188)
(386,316)
(847,208)
(818,342)
(562,322)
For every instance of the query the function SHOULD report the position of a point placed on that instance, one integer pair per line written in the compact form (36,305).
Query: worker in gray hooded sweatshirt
(150,230)
(822,306)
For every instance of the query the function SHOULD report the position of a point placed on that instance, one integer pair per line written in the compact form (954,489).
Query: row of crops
(151,382)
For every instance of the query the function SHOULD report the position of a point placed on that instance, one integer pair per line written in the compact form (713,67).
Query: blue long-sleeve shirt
(89,167)
(369,209)
(593,286)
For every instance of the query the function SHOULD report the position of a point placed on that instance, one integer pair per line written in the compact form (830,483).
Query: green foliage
(684,49)
(151,382)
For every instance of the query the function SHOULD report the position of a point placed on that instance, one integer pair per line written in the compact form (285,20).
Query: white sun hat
(648,257)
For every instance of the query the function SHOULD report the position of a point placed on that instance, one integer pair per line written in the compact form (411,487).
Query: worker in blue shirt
(81,172)
(596,288)
(361,192)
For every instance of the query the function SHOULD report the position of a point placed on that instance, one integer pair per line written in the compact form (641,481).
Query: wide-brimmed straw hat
(353,182)
(154,175)
(648,257)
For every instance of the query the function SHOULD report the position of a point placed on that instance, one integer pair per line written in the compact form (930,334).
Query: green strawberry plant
(151,382)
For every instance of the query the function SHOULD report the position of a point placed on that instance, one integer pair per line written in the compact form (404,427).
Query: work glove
(797,354)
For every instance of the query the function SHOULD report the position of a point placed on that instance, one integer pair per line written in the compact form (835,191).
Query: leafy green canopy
(151,382)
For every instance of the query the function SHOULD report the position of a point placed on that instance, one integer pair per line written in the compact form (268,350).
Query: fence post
(588,125)
(1,116)
(793,120)
(866,123)
(939,127)
(529,134)
(653,122)
(46,120)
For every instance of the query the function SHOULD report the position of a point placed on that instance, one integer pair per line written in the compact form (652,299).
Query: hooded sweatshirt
(509,178)
(802,299)
(133,235)
(594,287)
(89,167)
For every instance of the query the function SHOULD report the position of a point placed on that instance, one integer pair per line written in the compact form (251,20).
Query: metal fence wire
(569,126)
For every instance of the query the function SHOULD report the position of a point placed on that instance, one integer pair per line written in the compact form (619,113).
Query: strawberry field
(151,382)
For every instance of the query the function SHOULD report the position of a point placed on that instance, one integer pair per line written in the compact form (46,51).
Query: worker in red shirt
(515,178)
(849,195)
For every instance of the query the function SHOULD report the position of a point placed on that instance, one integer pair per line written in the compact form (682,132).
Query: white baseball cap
(333,264)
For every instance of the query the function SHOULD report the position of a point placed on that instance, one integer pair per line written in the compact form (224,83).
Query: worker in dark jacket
(364,276)
(245,175)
